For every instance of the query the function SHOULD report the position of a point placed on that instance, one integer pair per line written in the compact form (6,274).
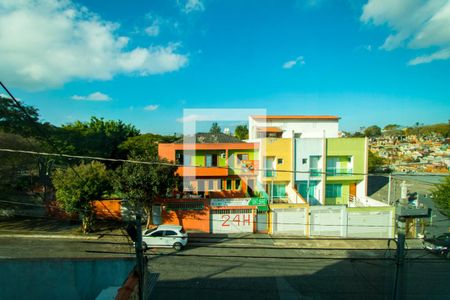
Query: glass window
(333,190)
(280,161)
(187,158)
(169,232)
(157,233)
(210,185)
(242,156)
(237,185)
(228,184)
(304,161)
(211,160)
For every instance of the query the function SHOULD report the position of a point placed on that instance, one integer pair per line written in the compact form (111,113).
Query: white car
(165,236)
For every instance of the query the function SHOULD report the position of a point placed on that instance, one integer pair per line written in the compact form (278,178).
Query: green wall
(348,147)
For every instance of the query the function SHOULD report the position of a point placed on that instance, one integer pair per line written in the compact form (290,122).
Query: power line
(197,166)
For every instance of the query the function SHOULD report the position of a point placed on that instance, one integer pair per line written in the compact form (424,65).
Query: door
(154,239)
(262,222)
(268,167)
(352,191)
(170,238)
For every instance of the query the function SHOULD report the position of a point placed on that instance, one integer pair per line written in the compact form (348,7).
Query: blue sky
(369,62)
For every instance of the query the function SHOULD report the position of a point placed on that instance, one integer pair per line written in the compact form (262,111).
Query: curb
(49,236)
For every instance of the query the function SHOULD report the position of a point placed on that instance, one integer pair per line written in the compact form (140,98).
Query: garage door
(289,221)
(328,221)
(231,220)
(378,224)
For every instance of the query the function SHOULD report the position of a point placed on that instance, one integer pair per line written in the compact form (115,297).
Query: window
(228,184)
(210,185)
(304,161)
(237,185)
(187,158)
(242,156)
(169,233)
(333,190)
(157,233)
(200,185)
(280,161)
(211,160)
(185,206)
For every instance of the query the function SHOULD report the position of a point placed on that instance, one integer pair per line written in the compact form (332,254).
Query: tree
(390,127)
(99,137)
(145,145)
(141,184)
(441,196)
(78,186)
(215,128)
(17,170)
(14,120)
(376,163)
(241,132)
(372,131)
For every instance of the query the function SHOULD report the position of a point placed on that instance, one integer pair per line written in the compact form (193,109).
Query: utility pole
(389,189)
(400,254)
(139,255)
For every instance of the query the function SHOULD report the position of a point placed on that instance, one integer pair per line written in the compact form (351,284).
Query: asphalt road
(260,270)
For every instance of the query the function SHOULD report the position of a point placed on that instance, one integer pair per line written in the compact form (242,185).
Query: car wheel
(177,246)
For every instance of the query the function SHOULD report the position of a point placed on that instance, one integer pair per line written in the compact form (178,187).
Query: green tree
(18,170)
(241,132)
(376,163)
(98,137)
(372,131)
(78,186)
(215,128)
(141,184)
(390,127)
(14,120)
(145,145)
(441,196)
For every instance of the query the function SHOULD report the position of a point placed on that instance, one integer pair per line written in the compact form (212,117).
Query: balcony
(339,172)
(314,172)
(269,173)
(202,171)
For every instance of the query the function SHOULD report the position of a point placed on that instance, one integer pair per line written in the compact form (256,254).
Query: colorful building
(220,185)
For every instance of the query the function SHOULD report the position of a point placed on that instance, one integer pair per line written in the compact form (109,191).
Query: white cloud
(151,107)
(152,30)
(97,96)
(192,5)
(291,63)
(414,24)
(47,44)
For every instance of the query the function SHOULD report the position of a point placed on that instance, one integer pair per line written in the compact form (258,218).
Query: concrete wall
(307,128)
(304,148)
(61,278)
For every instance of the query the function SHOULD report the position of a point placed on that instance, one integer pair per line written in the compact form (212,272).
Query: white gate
(376,224)
(231,220)
(328,220)
(289,220)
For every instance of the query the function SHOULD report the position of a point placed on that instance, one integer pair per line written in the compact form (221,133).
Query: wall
(348,147)
(304,148)
(61,278)
(197,220)
(308,128)
(108,209)
(278,148)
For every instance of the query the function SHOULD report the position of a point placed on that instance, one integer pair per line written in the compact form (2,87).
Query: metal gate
(262,222)
(376,224)
(328,220)
(289,220)
(231,220)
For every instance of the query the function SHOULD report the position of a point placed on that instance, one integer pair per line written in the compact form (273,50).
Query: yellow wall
(278,148)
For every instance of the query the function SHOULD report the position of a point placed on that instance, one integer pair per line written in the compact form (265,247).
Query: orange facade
(177,212)
(107,209)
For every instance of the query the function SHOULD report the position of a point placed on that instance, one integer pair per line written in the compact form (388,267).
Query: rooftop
(211,138)
(269,117)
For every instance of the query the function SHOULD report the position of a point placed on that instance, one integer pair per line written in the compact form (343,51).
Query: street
(255,266)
